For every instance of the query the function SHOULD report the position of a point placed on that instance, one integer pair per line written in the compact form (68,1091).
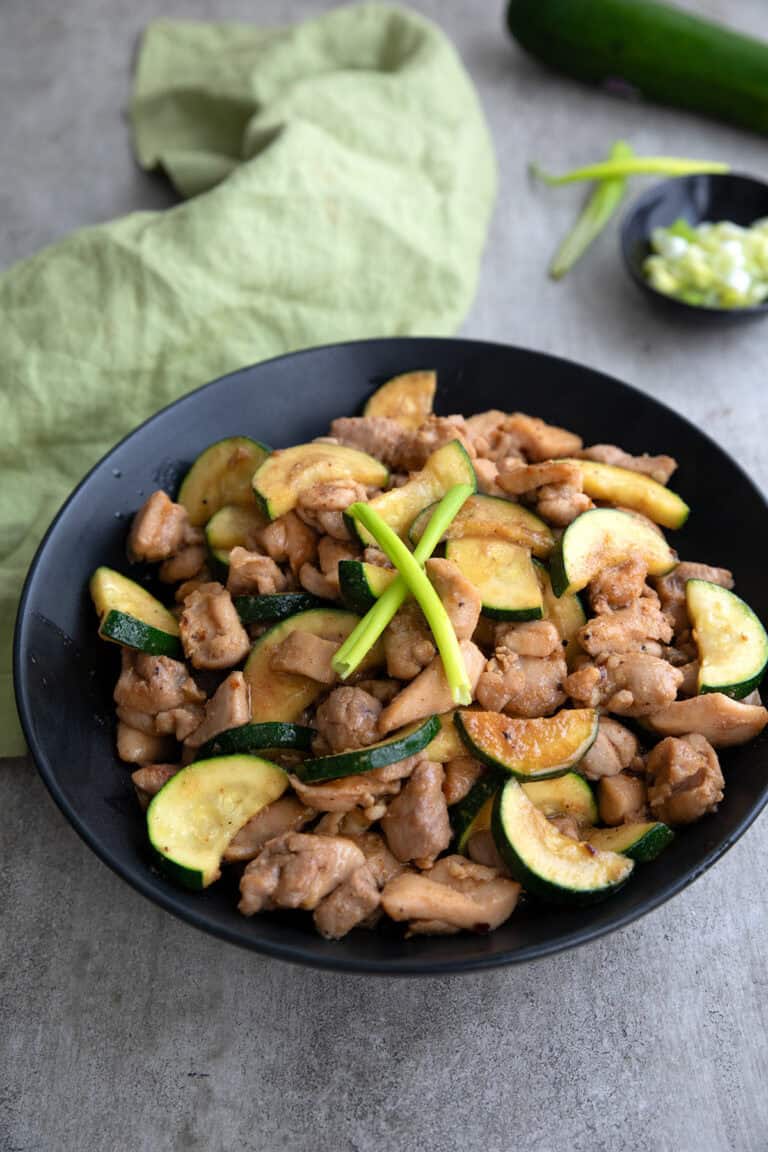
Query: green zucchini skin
(641,842)
(250,738)
(273,606)
(132,633)
(668,55)
(464,814)
(397,747)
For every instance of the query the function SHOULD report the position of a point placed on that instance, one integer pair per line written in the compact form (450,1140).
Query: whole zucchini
(668,55)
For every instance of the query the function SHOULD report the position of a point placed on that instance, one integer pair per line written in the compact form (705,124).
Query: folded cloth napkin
(342,179)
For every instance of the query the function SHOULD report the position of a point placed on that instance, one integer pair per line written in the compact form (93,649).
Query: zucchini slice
(447,466)
(361,584)
(407,742)
(407,399)
(641,842)
(566,612)
(250,738)
(495,517)
(531,749)
(447,744)
(231,527)
(548,864)
(503,574)
(473,813)
(568,795)
(131,616)
(283,696)
(285,474)
(272,606)
(731,641)
(602,538)
(633,490)
(194,816)
(221,475)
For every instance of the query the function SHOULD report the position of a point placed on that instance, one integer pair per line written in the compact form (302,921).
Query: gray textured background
(124,1031)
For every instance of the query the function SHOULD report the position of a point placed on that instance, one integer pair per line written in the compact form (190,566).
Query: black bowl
(65,674)
(727,196)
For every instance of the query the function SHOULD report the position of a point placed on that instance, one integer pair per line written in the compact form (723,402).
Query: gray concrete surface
(122,1030)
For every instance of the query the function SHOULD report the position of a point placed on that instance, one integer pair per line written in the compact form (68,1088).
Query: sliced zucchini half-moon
(603,538)
(407,742)
(492,517)
(407,399)
(131,616)
(731,642)
(503,575)
(531,749)
(284,475)
(221,475)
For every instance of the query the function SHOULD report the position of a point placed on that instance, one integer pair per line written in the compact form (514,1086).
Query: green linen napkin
(342,179)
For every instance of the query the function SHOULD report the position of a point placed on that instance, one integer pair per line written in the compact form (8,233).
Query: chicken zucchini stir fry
(424,665)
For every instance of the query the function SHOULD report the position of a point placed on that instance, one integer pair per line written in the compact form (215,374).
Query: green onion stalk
(597,211)
(632,166)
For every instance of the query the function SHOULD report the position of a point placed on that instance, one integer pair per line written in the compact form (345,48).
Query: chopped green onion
(424,594)
(596,213)
(632,166)
(363,637)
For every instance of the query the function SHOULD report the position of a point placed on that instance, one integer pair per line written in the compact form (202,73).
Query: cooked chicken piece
(635,629)
(659,468)
(487,474)
(383,865)
(229,707)
(560,504)
(566,825)
(621,799)
(383,690)
(379,436)
(135,747)
(296,870)
(189,586)
(483,424)
(375,556)
(416,824)
(211,633)
(329,553)
(720,719)
(313,581)
(154,684)
(185,565)
(541,441)
(348,719)
(518,478)
(429,693)
(143,721)
(614,749)
(456,894)
(351,824)
(460,598)
(685,781)
(460,774)
(149,779)
(360,791)
(354,901)
(179,722)
(252,574)
(525,675)
(671,589)
(159,530)
(619,586)
(304,654)
(289,538)
(481,847)
(323,505)
(284,815)
(435,432)
(632,684)
(690,681)
(408,646)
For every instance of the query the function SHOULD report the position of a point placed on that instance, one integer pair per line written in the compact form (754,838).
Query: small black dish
(64,674)
(714,198)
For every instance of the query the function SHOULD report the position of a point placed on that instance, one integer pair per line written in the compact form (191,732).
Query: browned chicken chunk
(429,693)
(323,505)
(284,815)
(460,774)
(671,589)
(354,901)
(659,468)
(185,565)
(615,749)
(379,436)
(635,629)
(723,721)
(408,646)
(619,586)
(150,778)
(136,747)
(252,574)
(539,440)
(296,870)
(211,633)
(304,654)
(621,799)
(555,485)
(159,530)
(348,719)
(289,538)
(229,707)
(179,722)
(361,791)
(685,779)
(459,597)
(456,894)
(525,675)
(153,684)
(329,553)
(416,824)
(630,684)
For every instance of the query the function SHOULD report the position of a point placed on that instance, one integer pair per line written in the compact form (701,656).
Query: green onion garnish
(360,641)
(424,594)
(596,213)
(632,166)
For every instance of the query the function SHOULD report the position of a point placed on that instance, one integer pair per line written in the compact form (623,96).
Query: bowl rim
(752,311)
(141,880)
